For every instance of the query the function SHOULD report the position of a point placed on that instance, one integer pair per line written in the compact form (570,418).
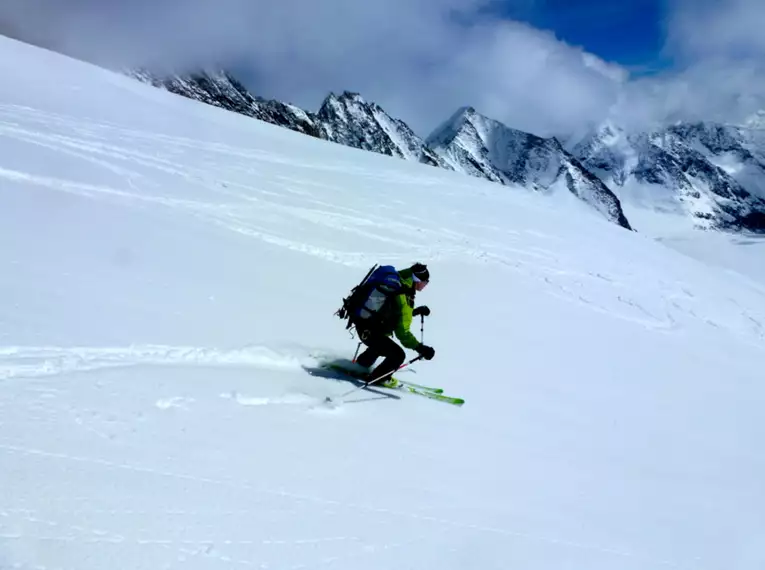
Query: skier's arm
(403,334)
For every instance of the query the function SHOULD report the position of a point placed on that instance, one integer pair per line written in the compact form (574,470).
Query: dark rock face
(221,89)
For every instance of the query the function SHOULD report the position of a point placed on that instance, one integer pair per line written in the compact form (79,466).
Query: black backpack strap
(346,310)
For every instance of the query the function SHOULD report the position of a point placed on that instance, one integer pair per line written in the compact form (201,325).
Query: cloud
(420,59)
(712,90)
(719,49)
(526,78)
(712,29)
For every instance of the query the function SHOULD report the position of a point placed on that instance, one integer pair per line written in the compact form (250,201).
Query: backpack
(368,304)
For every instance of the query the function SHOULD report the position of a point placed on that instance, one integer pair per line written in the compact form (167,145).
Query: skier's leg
(367,358)
(371,354)
(393,353)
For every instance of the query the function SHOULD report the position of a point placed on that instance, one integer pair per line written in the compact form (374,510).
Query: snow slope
(169,268)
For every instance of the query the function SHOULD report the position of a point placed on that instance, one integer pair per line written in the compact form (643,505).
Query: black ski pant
(379,344)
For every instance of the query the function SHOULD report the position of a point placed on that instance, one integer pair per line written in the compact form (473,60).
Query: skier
(397,313)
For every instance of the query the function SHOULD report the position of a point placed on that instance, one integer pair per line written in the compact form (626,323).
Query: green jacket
(402,311)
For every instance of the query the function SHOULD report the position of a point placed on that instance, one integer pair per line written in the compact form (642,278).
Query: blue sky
(628,32)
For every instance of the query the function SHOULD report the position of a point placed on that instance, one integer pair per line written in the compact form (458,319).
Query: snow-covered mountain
(713,174)
(739,151)
(345,119)
(483,147)
(350,120)
(221,89)
(467,143)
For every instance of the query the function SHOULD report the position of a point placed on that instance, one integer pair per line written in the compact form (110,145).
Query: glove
(424,311)
(426,352)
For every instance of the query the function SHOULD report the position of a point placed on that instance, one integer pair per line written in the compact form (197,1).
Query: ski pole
(367,384)
(422,329)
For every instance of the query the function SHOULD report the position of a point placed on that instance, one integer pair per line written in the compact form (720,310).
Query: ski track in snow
(21,362)
(261,213)
(17,363)
(34,362)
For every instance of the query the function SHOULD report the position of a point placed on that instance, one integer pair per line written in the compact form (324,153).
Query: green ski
(432,395)
(395,383)
(401,385)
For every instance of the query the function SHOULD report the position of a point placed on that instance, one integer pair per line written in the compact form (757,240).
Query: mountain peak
(470,114)
(447,131)
(467,111)
(350,120)
(484,147)
(345,97)
(352,96)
